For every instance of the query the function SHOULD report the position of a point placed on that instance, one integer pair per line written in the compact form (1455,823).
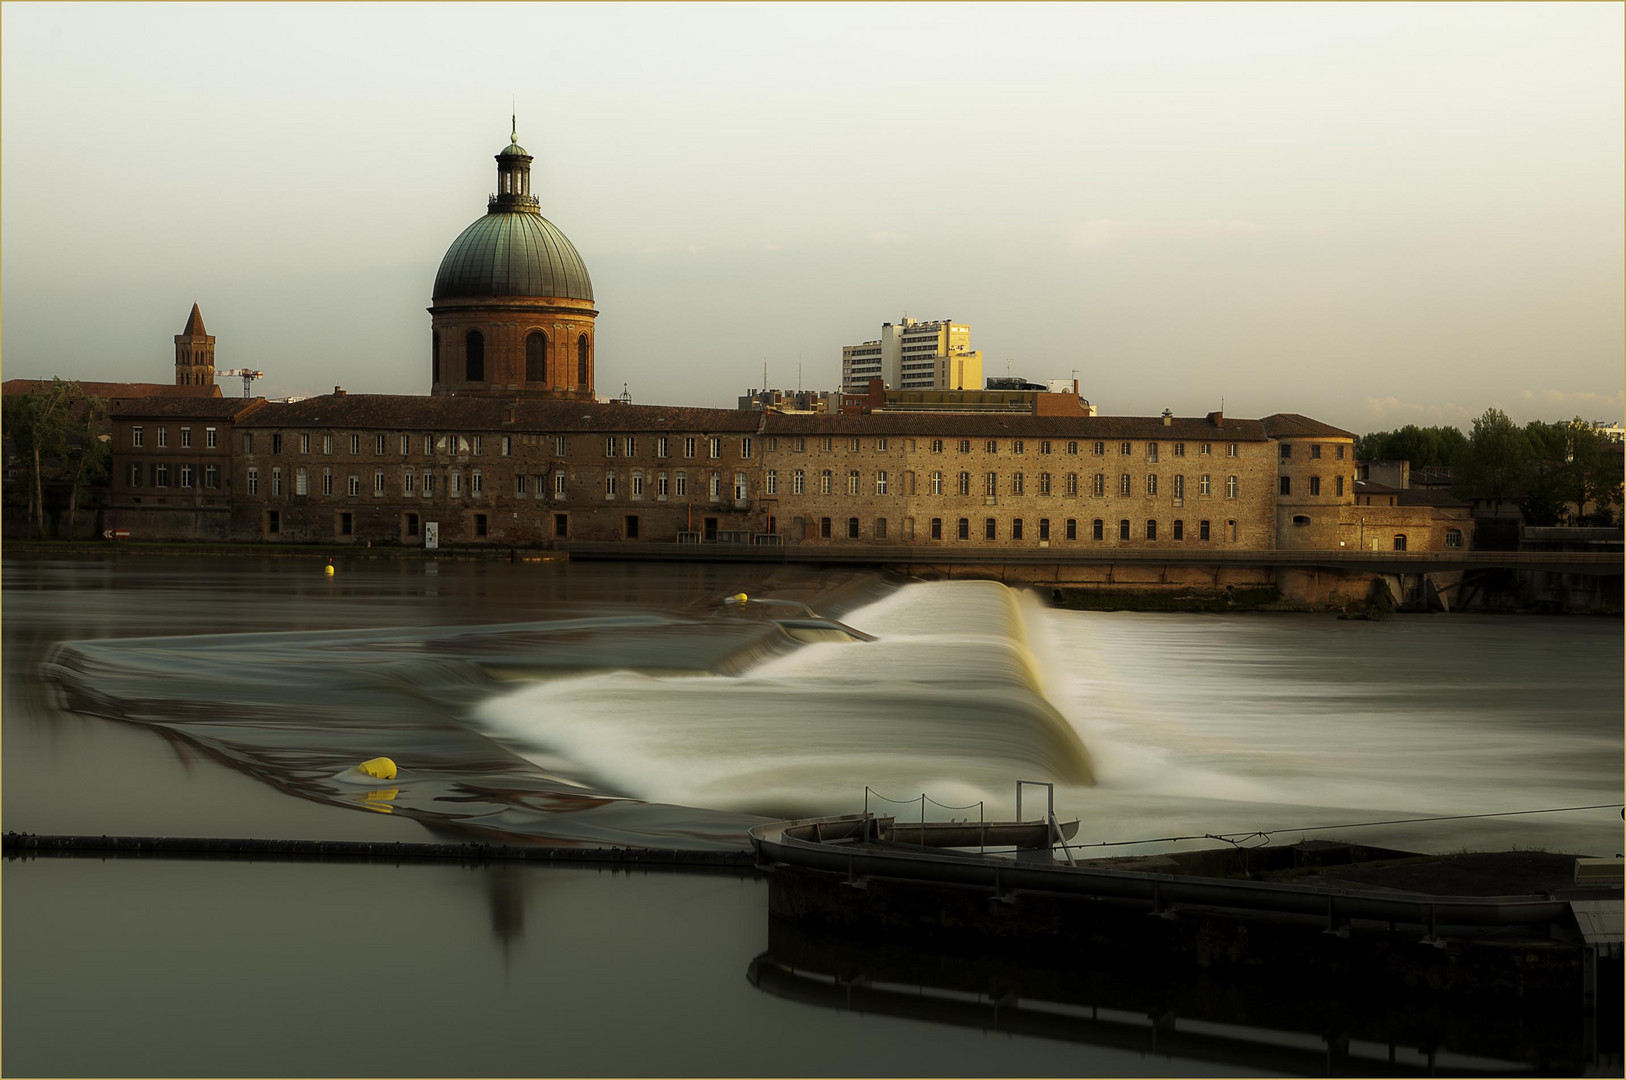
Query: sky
(1372,214)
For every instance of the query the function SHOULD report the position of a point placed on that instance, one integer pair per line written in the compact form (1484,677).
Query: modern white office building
(912,355)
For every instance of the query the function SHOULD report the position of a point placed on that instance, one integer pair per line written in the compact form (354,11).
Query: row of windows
(1016,484)
(412,482)
(536,351)
(675,485)
(627,446)
(1286,451)
(456,445)
(1017,529)
(1285,485)
(827,444)
(159,475)
(138,436)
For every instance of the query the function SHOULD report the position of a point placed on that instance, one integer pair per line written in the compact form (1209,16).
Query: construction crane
(248,376)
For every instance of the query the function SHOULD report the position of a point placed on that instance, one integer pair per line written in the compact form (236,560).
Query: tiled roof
(220,408)
(1288,424)
(111,390)
(401,411)
(1018,425)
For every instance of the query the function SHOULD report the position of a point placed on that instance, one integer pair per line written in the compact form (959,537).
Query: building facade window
(880,482)
(1453,538)
(474,357)
(990,529)
(1286,484)
(963,483)
(1179,487)
(852,482)
(581,360)
(1315,485)
(1230,486)
(1151,483)
(1123,484)
(1205,485)
(378,482)
(536,357)
(1123,529)
(476,483)
(186,438)
(965,529)
(1179,529)
(1151,530)
(770,485)
(354,486)
(211,476)
(1400,541)
(186,476)
(163,437)
(1202,530)
(327,480)
(276,480)
(798,482)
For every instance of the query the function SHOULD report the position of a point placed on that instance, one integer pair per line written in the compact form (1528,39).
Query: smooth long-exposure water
(593,704)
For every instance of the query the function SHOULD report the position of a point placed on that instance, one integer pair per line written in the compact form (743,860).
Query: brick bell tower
(194,353)
(512,314)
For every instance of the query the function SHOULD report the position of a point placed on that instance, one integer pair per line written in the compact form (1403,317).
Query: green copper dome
(513,254)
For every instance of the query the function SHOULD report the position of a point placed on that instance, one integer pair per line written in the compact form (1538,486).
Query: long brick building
(511,447)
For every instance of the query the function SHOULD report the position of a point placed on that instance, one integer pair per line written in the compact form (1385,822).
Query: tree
(38,424)
(1591,472)
(89,451)
(1422,446)
(1495,462)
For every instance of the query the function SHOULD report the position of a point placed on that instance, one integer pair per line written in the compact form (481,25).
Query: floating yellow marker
(328,569)
(380,768)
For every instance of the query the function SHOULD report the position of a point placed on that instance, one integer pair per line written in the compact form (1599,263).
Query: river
(629,704)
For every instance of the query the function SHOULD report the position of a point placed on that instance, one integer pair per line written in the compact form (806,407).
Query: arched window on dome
(475,357)
(434,357)
(536,357)
(581,360)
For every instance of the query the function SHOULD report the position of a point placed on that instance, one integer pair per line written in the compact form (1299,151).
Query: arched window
(475,357)
(581,360)
(434,357)
(536,357)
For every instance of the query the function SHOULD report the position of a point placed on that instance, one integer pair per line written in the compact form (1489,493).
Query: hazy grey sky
(1372,214)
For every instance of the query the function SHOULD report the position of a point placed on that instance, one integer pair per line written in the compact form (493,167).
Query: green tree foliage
(1496,462)
(1422,446)
(1592,473)
(56,434)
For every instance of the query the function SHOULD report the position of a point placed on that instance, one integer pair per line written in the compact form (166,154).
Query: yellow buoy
(328,569)
(381,768)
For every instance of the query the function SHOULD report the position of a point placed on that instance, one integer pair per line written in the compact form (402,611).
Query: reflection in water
(1260,1024)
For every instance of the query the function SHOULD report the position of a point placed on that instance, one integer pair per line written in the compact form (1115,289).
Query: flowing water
(632,705)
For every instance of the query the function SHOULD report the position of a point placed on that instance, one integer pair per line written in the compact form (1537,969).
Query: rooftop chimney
(1168,418)
(1217,419)
(338,391)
